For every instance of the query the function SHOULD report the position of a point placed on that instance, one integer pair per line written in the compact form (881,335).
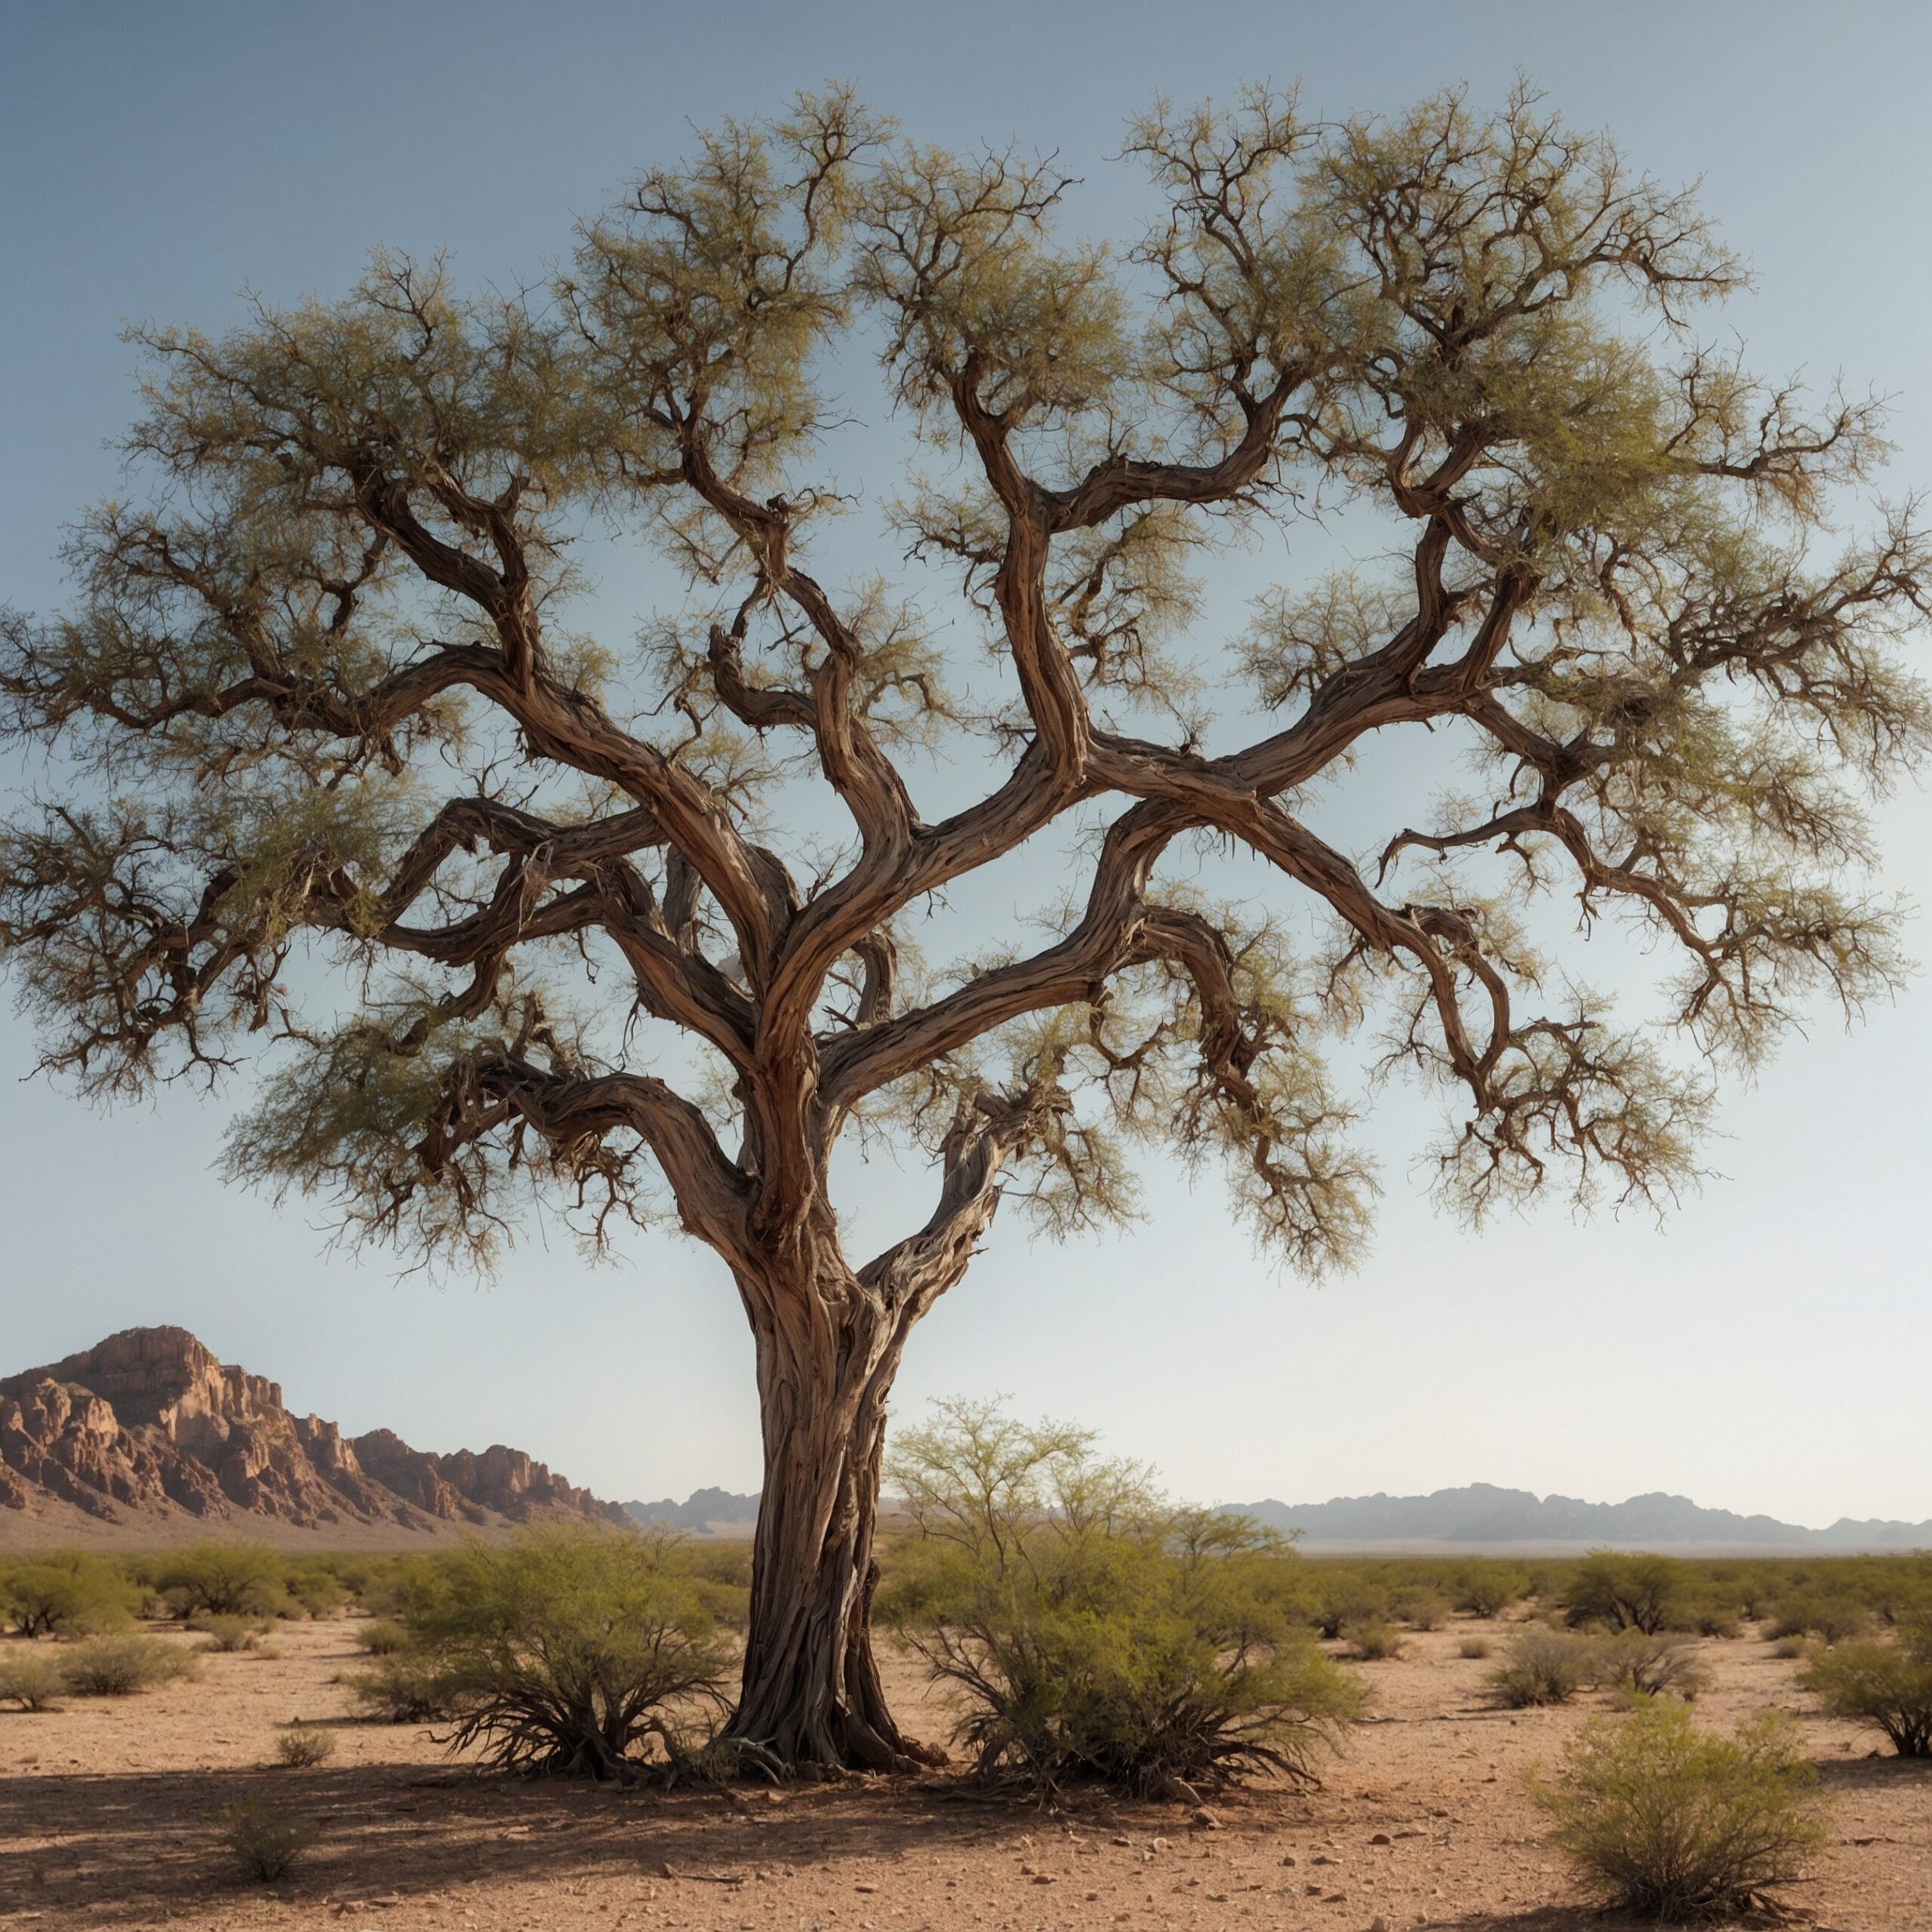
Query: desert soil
(106,1821)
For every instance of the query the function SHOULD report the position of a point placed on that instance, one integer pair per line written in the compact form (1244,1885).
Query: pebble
(1203,1819)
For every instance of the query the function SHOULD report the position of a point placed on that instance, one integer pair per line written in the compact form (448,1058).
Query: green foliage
(264,1840)
(1650,1665)
(119,1666)
(222,1579)
(566,1651)
(1821,1609)
(1088,1629)
(312,1592)
(1664,1818)
(1376,1642)
(1474,1647)
(406,1688)
(1625,1593)
(1488,1589)
(229,1633)
(1886,1684)
(382,1637)
(67,1592)
(1544,1666)
(31,1678)
(303,1745)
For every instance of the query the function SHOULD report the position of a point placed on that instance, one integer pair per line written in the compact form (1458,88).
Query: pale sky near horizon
(1770,1349)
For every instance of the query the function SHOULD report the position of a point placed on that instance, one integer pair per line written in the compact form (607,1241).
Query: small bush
(1544,1666)
(1489,1589)
(119,1666)
(229,1633)
(1650,1666)
(1645,1593)
(566,1651)
(406,1689)
(304,1744)
(1831,1615)
(1886,1684)
(66,1593)
(1665,1819)
(1790,1647)
(382,1637)
(1091,1631)
(221,1579)
(31,1679)
(312,1593)
(1374,1643)
(265,1839)
(1475,1647)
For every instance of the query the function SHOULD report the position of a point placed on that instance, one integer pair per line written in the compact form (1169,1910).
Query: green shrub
(566,1651)
(1488,1590)
(1664,1818)
(1423,1609)
(1650,1665)
(1814,1611)
(1474,1647)
(406,1688)
(304,1744)
(1091,1631)
(119,1666)
(265,1840)
(31,1678)
(229,1633)
(1789,1647)
(1645,1593)
(1886,1684)
(224,1578)
(1544,1666)
(315,1593)
(382,1637)
(1374,1643)
(1345,1598)
(68,1593)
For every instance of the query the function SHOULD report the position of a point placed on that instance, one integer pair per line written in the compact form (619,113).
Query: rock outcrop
(150,1425)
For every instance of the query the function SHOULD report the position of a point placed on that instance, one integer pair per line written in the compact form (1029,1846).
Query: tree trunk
(812,1695)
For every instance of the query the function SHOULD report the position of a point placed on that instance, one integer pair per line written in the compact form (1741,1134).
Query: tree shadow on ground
(133,1848)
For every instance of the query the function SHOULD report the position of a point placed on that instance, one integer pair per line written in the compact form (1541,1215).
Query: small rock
(1290,1859)
(1322,1858)
(1203,1819)
(1378,1924)
(865,1888)
(1382,1838)
(1043,1877)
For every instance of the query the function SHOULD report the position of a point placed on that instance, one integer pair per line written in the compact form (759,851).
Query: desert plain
(108,1819)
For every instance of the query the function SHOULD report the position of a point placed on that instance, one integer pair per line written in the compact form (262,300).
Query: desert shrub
(406,1688)
(1834,1615)
(31,1678)
(1091,1631)
(1422,1609)
(1488,1590)
(564,1651)
(314,1592)
(1623,1592)
(304,1744)
(1474,1647)
(1789,1646)
(66,1592)
(1345,1598)
(1886,1684)
(229,1633)
(1376,1642)
(264,1840)
(1650,1665)
(1544,1666)
(221,1579)
(119,1666)
(382,1637)
(1665,1819)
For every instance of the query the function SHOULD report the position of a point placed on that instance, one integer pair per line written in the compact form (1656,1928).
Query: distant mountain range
(148,1435)
(704,1512)
(1480,1514)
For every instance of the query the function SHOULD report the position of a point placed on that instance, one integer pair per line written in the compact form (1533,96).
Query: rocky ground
(106,1821)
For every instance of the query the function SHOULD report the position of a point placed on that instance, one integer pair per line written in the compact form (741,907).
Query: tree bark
(811,1694)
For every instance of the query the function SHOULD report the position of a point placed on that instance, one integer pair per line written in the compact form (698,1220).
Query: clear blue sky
(1771,1350)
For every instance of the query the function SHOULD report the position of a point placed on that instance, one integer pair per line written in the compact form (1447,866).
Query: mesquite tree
(339,774)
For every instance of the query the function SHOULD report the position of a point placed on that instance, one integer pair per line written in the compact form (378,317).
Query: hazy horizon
(1767,1352)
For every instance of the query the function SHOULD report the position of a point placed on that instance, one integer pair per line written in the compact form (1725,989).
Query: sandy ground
(105,1821)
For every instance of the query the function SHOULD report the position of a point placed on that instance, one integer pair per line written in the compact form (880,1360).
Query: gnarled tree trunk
(827,1352)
